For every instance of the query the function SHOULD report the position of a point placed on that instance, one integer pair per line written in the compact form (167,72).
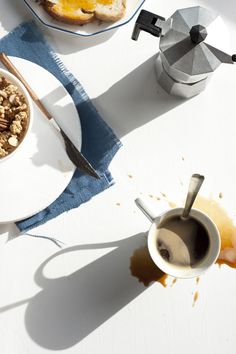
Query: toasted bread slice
(68,14)
(110,12)
(84,11)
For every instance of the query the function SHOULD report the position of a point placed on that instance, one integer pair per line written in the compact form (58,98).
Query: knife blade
(73,153)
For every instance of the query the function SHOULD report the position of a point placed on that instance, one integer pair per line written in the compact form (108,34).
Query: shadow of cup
(68,308)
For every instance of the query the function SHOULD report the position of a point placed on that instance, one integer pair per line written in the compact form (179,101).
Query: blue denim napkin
(99,142)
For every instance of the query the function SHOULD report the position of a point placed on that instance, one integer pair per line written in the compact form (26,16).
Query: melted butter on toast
(68,7)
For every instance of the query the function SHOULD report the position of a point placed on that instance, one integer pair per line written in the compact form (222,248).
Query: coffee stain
(163,194)
(226,228)
(150,195)
(220,195)
(130,176)
(196,294)
(195,298)
(143,268)
(172,205)
(118,204)
(173,281)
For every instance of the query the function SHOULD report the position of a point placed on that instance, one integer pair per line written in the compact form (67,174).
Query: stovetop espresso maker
(187,54)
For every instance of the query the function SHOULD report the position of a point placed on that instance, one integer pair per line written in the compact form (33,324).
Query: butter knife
(73,153)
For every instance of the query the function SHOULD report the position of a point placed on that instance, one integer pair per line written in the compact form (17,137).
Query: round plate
(33,177)
(89,29)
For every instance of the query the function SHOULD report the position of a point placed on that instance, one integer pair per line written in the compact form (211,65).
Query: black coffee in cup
(182,242)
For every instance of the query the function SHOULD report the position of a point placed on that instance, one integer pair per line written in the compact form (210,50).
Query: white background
(91,303)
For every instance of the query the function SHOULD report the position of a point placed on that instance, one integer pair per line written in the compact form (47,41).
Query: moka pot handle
(146,21)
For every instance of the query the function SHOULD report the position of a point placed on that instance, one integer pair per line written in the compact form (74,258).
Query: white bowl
(14,80)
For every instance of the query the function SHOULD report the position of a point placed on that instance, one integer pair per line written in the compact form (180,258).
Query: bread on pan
(84,11)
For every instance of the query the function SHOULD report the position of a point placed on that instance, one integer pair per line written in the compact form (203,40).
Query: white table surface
(91,303)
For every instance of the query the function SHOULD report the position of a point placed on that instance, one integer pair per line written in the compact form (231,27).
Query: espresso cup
(182,248)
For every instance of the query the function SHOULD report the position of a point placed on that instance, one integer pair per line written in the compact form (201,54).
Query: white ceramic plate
(34,177)
(90,29)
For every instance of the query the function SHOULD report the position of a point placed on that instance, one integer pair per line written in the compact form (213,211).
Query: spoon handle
(194,186)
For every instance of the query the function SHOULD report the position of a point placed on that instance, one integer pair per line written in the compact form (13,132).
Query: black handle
(146,22)
(234,57)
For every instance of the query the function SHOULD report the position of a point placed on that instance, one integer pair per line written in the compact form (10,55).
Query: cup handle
(145,209)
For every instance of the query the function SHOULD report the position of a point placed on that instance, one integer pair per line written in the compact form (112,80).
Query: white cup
(172,269)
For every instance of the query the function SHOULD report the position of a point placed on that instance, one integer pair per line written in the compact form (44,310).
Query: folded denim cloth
(99,142)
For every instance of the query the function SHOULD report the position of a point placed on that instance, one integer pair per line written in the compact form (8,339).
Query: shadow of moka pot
(188,48)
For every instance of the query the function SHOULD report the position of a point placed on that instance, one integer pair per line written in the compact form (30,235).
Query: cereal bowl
(16,114)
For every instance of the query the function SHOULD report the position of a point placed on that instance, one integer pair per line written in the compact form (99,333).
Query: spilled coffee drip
(182,242)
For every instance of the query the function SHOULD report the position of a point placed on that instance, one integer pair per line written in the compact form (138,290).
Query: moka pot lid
(189,45)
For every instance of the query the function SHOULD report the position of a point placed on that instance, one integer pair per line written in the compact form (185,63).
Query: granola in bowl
(15,113)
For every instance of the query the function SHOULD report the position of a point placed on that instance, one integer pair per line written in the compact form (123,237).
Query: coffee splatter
(174,281)
(143,268)
(118,204)
(220,195)
(130,176)
(195,297)
(197,280)
(172,205)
